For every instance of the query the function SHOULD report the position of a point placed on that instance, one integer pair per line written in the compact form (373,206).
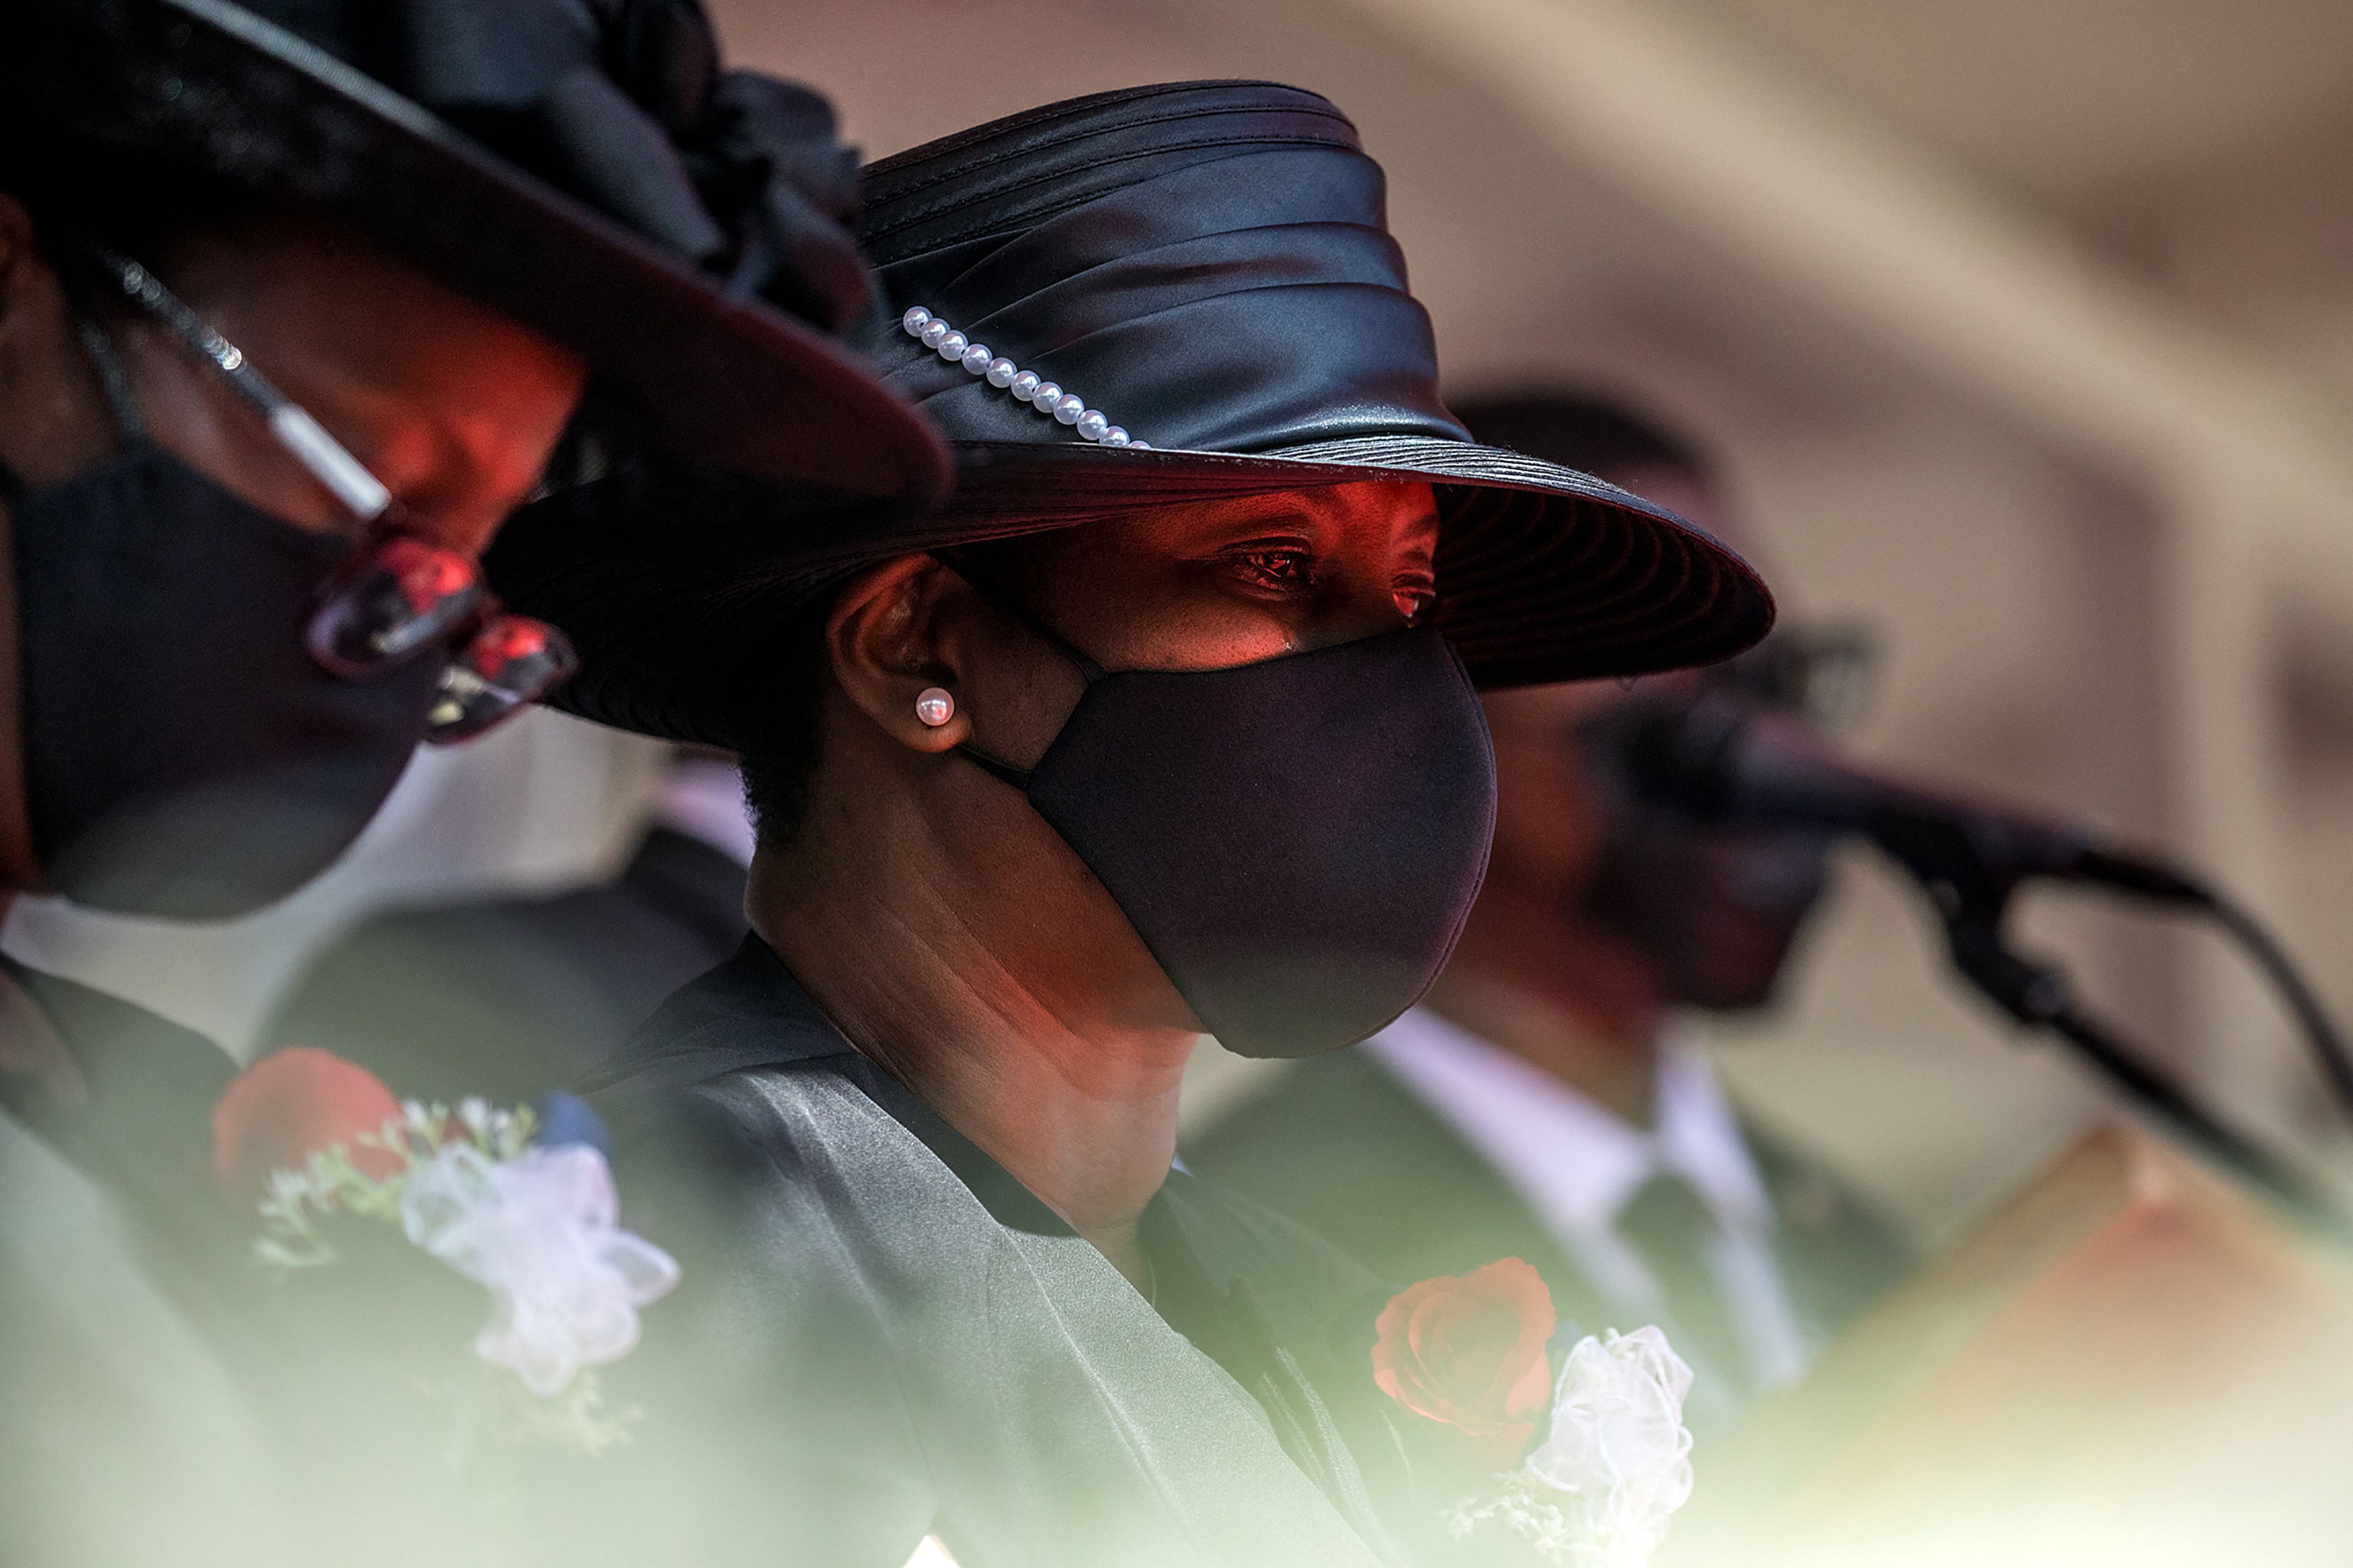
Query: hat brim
(207,86)
(1544,573)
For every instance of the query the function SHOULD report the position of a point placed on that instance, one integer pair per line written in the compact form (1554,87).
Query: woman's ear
(890,651)
(53,419)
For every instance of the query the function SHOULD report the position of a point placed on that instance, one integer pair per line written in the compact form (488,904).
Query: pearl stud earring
(934,706)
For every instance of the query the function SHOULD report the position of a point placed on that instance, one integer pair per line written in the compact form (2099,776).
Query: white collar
(1575,1162)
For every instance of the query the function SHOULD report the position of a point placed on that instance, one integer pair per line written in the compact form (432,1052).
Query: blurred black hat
(1207,266)
(583,166)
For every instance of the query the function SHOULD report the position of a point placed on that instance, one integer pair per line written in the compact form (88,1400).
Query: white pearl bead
(916,321)
(1001,372)
(1135,446)
(1069,407)
(933,332)
(1047,395)
(950,348)
(1092,424)
(1024,385)
(1113,436)
(976,358)
(934,706)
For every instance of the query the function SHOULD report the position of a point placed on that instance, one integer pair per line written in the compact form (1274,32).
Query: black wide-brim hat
(1207,266)
(535,156)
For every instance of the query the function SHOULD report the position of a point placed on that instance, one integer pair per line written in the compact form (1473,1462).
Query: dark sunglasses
(1822,674)
(398,595)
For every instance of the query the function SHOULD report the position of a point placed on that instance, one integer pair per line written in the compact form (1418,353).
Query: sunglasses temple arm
(322,457)
(329,462)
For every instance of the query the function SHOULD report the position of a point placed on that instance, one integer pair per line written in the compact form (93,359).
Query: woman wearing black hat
(287,304)
(296,297)
(1165,725)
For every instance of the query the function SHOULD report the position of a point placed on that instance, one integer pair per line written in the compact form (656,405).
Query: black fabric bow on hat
(1207,263)
(623,104)
(585,167)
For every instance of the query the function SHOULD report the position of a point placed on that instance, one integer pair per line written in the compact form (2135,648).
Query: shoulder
(776,1379)
(811,1213)
(735,1110)
(789,1291)
(795,1144)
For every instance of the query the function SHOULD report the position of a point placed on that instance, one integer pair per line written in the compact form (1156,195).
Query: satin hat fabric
(1208,264)
(583,166)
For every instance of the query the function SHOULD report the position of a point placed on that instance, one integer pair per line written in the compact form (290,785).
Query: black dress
(882,1336)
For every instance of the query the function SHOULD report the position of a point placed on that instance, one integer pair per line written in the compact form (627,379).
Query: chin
(1731,1002)
(1734,977)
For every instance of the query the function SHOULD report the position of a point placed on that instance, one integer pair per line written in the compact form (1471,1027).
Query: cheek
(508,401)
(512,434)
(1056,927)
(1016,691)
(481,444)
(1548,823)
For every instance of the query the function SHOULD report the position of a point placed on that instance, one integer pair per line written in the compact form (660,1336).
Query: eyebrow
(1290,519)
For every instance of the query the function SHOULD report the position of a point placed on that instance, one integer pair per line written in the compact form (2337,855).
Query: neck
(1559,994)
(1082,1115)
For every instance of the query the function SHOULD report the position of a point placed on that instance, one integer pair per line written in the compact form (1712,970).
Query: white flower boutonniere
(1615,1466)
(533,1218)
(539,1232)
(1469,1358)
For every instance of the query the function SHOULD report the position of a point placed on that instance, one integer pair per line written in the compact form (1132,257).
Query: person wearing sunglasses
(1541,1103)
(297,301)
(1166,724)
(266,405)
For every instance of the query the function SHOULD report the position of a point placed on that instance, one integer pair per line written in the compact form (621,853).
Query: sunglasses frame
(399,593)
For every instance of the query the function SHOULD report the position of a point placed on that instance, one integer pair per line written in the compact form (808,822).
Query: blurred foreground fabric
(2130,1364)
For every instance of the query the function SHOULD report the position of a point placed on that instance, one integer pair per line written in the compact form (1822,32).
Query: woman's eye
(1284,571)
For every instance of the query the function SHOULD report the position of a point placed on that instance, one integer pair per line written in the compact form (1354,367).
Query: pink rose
(290,1106)
(1470,1354)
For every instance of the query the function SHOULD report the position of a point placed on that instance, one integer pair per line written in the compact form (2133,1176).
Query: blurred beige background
(2027,332)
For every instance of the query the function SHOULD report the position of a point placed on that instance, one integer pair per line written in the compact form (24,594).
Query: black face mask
(1297,841)
(184,755)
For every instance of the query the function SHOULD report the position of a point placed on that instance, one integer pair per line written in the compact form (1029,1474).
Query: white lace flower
(1617,1456)
(539,1231)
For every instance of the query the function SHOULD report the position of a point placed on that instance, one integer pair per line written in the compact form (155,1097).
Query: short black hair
(134,203)
(782,737)
(1592,434)
(782,708)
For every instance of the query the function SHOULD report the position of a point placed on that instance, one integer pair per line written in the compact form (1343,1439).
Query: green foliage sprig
(296,1203)
(330,1184)
(1517,1505)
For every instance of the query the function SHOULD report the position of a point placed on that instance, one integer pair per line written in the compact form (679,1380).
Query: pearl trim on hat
(1067,407)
